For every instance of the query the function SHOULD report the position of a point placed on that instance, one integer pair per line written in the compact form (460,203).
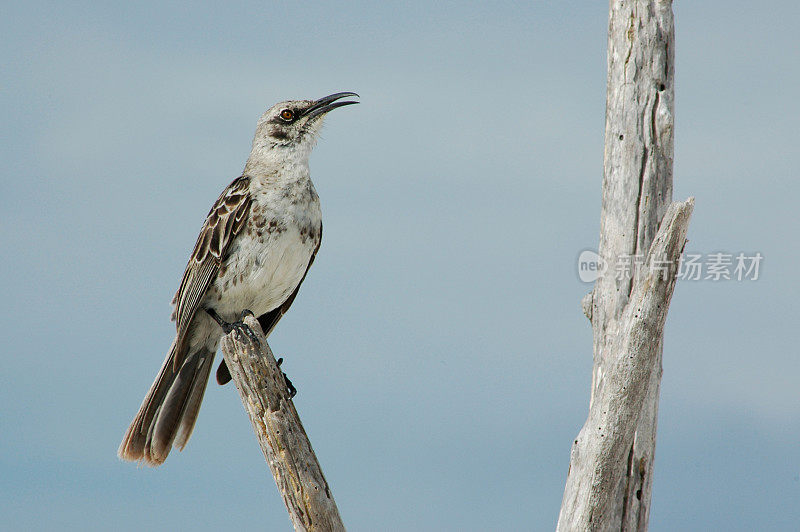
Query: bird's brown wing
(269,320)
(224,221)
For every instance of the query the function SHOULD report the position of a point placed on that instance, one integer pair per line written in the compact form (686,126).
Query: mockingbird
(254,250)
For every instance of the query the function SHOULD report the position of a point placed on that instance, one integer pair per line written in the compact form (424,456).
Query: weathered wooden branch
(611,465)
(602,453)
(280,433)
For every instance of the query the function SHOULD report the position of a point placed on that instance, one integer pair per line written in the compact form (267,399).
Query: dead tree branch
(280,433)
(611,465)
(602,454)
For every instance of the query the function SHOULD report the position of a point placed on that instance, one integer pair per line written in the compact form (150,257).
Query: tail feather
(133,446)
(169,408)
(174,413)
(194,401)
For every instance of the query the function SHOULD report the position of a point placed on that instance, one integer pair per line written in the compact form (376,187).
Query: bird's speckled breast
(271,255)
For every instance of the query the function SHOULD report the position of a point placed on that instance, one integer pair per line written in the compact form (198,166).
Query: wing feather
(225,220)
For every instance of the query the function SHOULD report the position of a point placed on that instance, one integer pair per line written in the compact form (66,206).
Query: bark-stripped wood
(280,433)
(611,465)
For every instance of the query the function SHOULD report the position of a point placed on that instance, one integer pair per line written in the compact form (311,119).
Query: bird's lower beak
(328,103)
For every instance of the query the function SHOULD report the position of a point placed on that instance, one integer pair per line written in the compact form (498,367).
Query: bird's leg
(239,324)
(289,386)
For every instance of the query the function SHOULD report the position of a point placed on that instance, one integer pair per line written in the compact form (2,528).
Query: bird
(254,250)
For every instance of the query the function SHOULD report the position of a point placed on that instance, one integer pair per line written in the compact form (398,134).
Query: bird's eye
(287,114)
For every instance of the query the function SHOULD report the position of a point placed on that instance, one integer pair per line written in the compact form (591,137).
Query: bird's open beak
(328,103)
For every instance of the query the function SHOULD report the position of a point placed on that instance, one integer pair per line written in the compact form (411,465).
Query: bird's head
(290,128)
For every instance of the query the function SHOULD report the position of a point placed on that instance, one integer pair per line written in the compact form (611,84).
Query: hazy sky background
(438,343)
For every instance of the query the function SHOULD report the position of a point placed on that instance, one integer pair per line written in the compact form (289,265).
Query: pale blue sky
(438,344)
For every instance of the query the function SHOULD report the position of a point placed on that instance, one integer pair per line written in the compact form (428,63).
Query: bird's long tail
(169,410)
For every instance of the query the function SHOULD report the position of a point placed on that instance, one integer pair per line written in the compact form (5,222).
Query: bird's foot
(289,386)
(238,325)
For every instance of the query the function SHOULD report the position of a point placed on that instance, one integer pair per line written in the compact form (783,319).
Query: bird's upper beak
(328,103)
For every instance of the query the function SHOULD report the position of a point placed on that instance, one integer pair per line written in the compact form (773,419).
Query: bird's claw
(239,325)
(289,386)
(243,327)
(247,331)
